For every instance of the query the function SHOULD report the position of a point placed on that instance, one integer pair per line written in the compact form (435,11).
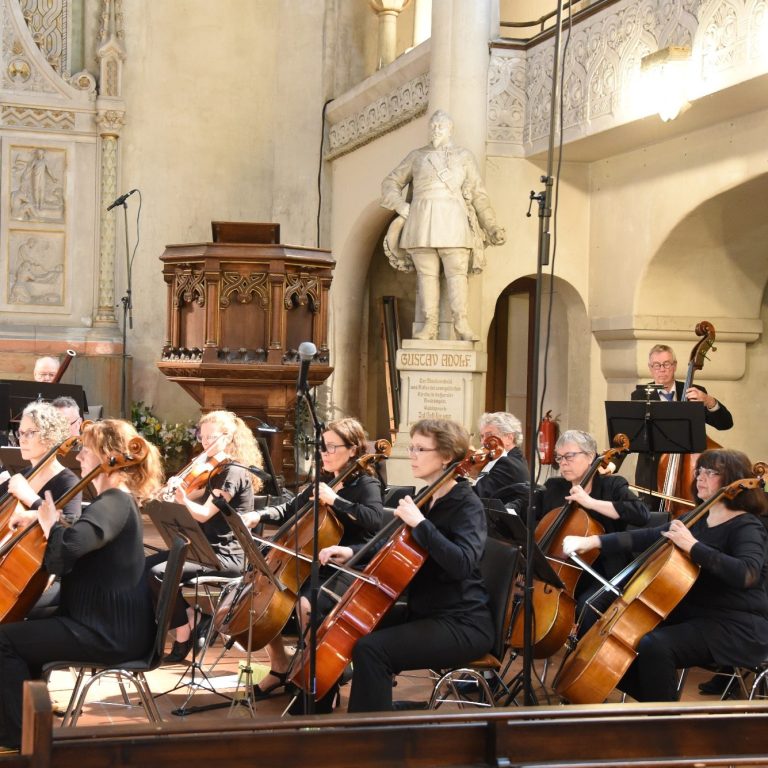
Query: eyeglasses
(415,450)
(706,472)
(566,458)
(332,447)
(75,421)
(27,433)
(662,366)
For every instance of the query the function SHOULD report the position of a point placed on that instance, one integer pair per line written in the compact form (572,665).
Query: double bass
(22,578)
(257,601)
(554,608)
(655,583)
(367,601)
(675,471)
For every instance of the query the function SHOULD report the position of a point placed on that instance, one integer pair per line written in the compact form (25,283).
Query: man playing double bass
(662,364)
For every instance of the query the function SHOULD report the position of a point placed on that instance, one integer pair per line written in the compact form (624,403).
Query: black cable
(320,171)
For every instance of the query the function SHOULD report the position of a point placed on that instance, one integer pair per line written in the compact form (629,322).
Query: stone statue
(448,222)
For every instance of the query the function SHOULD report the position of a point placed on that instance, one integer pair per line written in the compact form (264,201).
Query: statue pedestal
(438,380)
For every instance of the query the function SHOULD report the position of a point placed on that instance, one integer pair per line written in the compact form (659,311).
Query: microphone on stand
(120,200)
(307,352)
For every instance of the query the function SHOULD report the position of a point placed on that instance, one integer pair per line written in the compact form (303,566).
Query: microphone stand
(544,200)
(127,315)
(314,579)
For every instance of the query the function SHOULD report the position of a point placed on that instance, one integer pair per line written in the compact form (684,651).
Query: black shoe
(717,684)
(265,693)
(179,652)
(401,705)
(201,631)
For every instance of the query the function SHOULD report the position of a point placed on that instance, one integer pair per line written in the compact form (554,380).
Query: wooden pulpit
(236,314)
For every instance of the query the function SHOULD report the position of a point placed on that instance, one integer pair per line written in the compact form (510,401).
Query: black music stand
(173,519)
(656,426)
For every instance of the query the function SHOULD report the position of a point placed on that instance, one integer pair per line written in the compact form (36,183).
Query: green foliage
(175,441)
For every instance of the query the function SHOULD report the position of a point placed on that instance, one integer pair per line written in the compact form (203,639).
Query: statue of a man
(448,222)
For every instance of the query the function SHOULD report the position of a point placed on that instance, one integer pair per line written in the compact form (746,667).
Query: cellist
(662,365)
(220,432)
(106,609)
(358,506)
(446,621)
(607,499)
(723,619)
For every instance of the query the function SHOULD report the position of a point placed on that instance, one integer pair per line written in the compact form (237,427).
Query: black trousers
(24,648)
(438,642)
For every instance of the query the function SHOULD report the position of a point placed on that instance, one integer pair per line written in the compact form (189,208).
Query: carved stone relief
(48,22)
(38,184)
(12,115)
(36,268)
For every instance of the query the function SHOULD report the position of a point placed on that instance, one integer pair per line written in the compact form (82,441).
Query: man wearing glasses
(71,410)
(662,365)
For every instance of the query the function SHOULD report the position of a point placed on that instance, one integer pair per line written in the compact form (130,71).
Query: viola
(655,583)
(675,471)
(194,476)
(554,608)
(22,578)
(366,602)
(257,601)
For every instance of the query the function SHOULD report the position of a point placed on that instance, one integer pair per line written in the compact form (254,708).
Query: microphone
(307,351)
(120,200)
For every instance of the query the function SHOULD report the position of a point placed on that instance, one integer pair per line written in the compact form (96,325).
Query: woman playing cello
(221,432)
(723,619)
(356,503)
(607,499)
(446,621)
(106,609)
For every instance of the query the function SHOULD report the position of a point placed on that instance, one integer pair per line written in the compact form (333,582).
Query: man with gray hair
(45,369)
(511,468)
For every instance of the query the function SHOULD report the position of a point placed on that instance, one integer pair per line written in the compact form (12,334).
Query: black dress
(105,613)
(446,621)
(723,620)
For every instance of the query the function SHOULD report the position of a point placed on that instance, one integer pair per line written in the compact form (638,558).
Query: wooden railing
(722,733)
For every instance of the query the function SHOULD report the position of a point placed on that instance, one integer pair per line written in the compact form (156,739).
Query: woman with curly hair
(219,432)
(106,612)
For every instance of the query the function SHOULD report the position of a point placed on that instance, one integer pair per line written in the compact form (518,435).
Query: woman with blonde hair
(220,432)
(106,612)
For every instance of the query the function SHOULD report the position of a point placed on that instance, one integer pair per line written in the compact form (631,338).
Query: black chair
(470,686)
(88,672)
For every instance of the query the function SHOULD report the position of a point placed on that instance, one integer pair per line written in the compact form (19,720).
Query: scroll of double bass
(554,608)
(257,601)
(366,602)
(22,578)
(655,583)
(675,473)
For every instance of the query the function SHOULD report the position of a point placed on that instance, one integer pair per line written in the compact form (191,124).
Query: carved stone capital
(110,121)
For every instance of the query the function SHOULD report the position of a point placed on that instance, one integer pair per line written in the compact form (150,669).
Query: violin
(257,601)
(194,476)
(655,584)
(675,471)
(554,608)
(22,578)
(390,571)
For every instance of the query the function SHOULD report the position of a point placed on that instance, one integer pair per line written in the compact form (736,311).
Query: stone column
(387,11)
(422,21)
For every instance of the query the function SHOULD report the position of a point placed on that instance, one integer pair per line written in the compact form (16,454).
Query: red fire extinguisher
(547,437)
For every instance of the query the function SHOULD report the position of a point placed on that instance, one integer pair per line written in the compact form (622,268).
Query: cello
(22,578)
(366,602)
(257,601)
(675,470)
(554,608)
(655,583)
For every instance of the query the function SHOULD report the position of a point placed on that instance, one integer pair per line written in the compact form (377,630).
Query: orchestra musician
(69,408)
(357,503)
(509,469)
(220,432)
(662,364)
(106,610)
(446,621)
(723,619)
(45,369)
(607,499)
